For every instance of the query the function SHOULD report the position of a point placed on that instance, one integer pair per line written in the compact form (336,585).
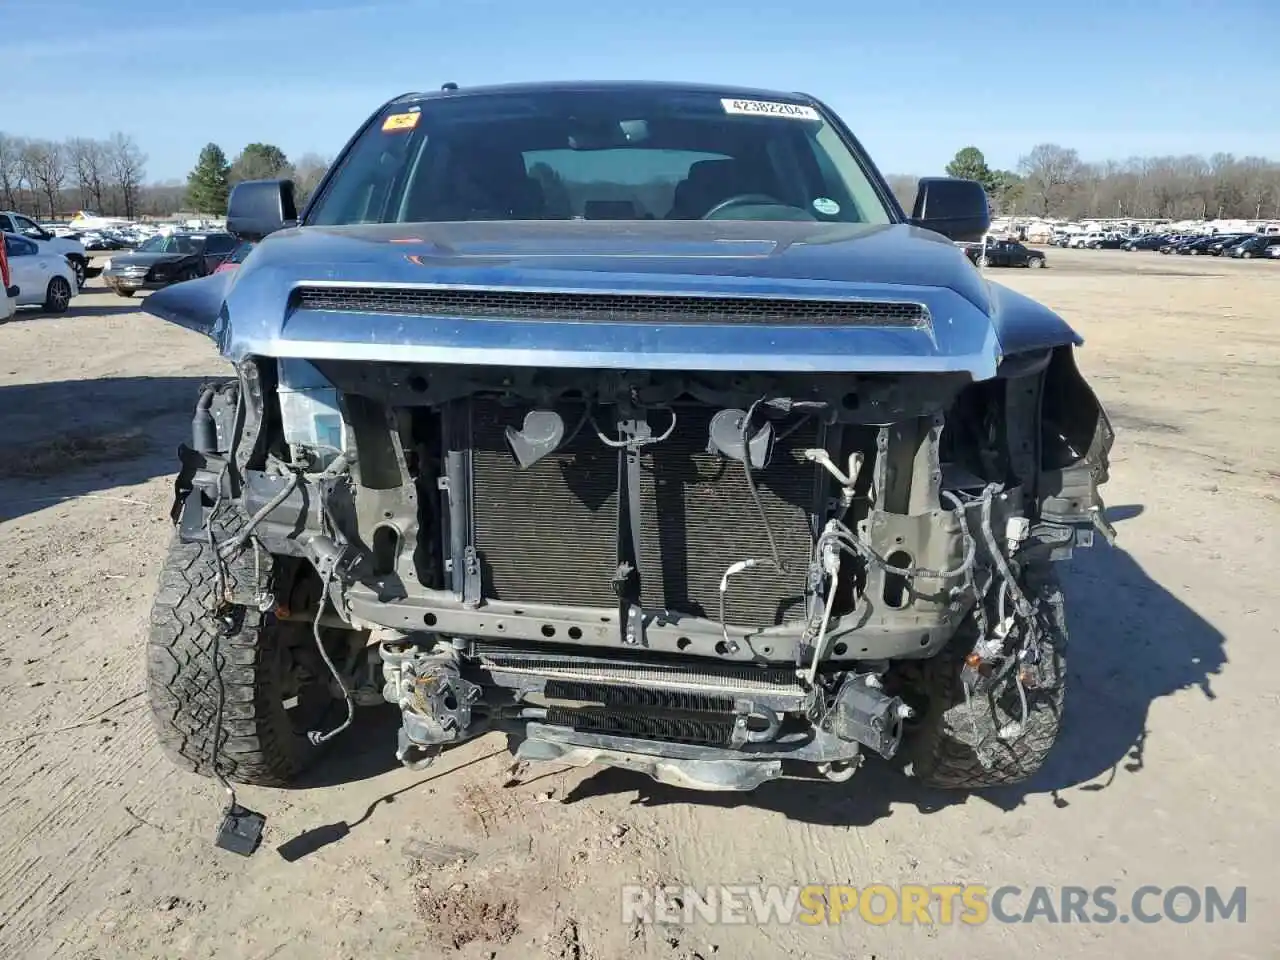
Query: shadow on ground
(363,752)
(70,438)
(1132,642)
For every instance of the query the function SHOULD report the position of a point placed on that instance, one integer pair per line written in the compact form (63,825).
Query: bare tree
(88,162)
(1051,174)
(11,168)
(904,188)
(307,172)
(127,166)
(28,163)
(47,170)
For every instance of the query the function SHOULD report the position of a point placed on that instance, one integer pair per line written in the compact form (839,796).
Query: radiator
(548,534)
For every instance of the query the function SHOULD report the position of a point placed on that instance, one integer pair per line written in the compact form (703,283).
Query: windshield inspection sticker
(400,121)
(795,111)
(827,206)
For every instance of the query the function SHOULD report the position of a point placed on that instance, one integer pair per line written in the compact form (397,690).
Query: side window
(6,225)
(15,246)
(29,227)
(220,244)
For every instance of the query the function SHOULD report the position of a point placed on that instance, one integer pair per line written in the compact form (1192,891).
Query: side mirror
(259,207)
(12,292)
(958,209)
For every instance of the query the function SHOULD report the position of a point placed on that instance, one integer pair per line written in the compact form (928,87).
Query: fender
(1023,325)
(197,305)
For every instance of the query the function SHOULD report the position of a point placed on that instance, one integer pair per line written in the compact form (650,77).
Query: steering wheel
(742,199)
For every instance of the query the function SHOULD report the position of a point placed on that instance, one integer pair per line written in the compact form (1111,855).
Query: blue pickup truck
(636,421)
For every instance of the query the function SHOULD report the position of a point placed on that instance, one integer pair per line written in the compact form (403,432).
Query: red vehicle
(8,293)
(237,257)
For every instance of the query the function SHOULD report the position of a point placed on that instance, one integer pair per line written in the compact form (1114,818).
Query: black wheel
(81,272)
(1035,263)
(58,297)
(124,292)
(275,685)
(984,261)
(941,750)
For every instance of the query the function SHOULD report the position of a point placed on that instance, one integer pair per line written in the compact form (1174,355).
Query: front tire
(941,751)
(57,298)
(1036,263)
(81,271)
(261,741)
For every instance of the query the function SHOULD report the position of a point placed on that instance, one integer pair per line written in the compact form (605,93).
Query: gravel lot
(1164,775)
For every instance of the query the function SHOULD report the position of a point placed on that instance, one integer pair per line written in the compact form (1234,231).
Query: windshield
(175,244)
(595,155)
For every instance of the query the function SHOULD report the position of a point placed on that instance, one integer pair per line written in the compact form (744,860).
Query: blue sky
(916,80)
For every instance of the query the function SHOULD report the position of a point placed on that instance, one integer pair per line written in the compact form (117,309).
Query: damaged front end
(705,576)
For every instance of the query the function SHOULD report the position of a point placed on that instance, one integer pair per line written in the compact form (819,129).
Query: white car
(42,278)
(69,247)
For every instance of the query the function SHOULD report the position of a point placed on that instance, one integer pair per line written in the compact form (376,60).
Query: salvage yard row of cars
(1245,246)
(40,273)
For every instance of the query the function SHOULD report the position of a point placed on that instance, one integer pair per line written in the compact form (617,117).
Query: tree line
(1052,181)
(48,177)
(52,179)
(211,179)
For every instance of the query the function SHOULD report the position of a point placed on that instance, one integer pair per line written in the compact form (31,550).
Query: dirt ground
(1166,772)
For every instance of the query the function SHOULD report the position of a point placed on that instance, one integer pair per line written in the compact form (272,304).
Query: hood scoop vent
(555,306)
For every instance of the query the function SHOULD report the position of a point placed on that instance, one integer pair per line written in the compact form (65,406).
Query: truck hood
(253,311)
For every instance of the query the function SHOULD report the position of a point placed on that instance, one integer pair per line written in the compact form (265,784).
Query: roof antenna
(449,86)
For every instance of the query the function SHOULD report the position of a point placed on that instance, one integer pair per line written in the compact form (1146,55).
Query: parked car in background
(1225,242)
(1004,253)
(1175,244)
(161,261)
(1107,241)
(42,278)
(237,257)
(68,246)
(1259,245)
(1195,247)
(1148,241)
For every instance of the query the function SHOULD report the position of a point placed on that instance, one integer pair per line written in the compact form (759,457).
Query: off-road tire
(940,750)
(258,742)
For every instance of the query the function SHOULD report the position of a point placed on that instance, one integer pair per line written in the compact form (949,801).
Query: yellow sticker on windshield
(400,121)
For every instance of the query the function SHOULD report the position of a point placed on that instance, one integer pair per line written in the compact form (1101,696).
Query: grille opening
(609,307)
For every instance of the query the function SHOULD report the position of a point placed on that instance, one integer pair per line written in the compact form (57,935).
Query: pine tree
(260,161)
(207,184)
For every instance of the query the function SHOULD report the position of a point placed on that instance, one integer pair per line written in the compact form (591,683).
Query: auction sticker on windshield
(764,107)
(400,121)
